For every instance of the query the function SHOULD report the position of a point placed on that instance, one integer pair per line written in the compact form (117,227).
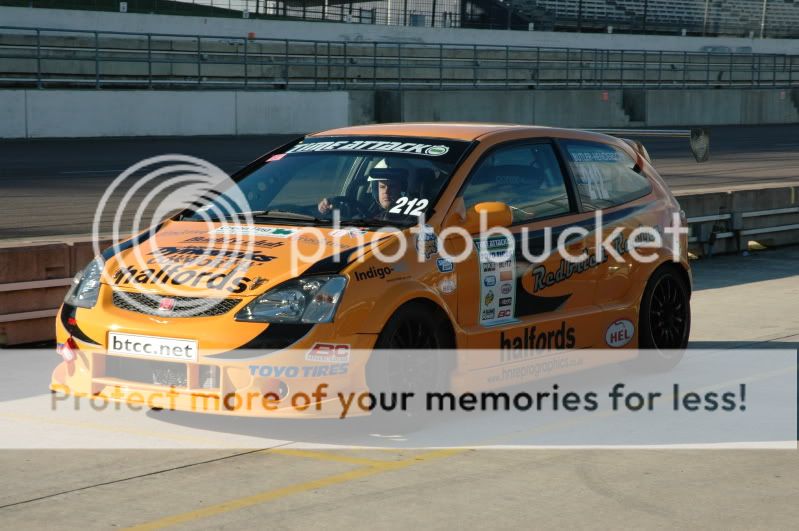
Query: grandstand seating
(723,16)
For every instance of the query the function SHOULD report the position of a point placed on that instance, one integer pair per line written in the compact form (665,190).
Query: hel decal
(619,333)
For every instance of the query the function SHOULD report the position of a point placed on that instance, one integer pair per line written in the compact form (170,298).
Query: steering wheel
(349,208)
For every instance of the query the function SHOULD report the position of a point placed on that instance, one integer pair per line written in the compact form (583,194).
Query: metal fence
(38,57)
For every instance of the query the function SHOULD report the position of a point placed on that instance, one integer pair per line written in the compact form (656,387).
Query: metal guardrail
(733,227)
(42,57)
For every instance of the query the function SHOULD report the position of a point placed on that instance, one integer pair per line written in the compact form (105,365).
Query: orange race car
(475,237)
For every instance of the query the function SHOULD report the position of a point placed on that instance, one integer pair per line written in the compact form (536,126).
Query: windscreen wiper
(284,214)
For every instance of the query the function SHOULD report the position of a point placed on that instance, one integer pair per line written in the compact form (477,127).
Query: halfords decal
(619,333)
(530,341)
(432,150)
(230,281)
(329,353)
(294,371)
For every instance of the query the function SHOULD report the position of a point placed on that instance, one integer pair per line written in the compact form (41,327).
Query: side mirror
(495,213)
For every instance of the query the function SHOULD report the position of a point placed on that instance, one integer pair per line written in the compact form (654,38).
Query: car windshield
(363,180)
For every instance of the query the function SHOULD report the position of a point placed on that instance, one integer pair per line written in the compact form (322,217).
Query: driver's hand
(325,206)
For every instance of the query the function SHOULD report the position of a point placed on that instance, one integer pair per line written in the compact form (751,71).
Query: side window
(605,175)
(526,177)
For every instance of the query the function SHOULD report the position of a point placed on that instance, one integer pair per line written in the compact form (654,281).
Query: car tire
(664,320)
(414,326)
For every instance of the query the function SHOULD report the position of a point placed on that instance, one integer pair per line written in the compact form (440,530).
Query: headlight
(303,300)
(86,285)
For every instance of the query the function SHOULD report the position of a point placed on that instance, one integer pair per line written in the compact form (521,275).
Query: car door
(609,181)
(531,304)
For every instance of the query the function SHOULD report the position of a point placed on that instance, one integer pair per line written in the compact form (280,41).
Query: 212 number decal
(413,207)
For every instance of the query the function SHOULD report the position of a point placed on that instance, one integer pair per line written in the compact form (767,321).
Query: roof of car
(447,130)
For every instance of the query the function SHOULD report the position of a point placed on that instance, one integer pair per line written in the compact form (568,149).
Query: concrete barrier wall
(90,113)
(720,107)
(595,108)
(103,21)
(566,108)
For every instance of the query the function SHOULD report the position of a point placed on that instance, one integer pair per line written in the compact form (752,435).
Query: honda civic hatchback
(355,244)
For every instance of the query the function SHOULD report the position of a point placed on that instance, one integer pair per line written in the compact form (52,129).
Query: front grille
(151,304)
(146,371)
(165,373)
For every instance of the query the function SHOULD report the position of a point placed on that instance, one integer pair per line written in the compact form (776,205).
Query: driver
(386,184)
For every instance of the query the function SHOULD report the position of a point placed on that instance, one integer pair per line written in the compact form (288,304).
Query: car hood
(197,259)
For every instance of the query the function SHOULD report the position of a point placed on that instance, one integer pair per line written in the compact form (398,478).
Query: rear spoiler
(699,139)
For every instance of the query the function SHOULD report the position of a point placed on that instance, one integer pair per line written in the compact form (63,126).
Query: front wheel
(664,320)
(411,355)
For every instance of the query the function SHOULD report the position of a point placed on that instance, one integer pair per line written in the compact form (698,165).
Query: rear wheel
(664,320)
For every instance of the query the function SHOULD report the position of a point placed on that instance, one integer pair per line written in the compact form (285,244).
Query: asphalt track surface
(51,187)
(284,485)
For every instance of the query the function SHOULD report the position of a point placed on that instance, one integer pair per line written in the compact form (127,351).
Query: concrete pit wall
(97,113)
(90,113)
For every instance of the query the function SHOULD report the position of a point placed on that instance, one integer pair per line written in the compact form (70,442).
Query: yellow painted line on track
(335,457)
(372,467)
(271,495)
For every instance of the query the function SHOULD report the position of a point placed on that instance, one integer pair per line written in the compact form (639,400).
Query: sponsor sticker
(329,353)
(619,333)
(444,265)
(152,347)
(489,298)
(447,285)
(531,341)
(374,272)
(296,371)
(427,242)
(252,230)
(430,150)
(493,309)
(350,232)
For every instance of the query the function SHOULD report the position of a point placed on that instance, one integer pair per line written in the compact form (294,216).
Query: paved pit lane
(289,482)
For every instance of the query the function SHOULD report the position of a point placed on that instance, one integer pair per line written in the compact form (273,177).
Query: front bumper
(287,383)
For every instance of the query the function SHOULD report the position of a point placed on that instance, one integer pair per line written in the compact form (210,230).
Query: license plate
(152,347)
